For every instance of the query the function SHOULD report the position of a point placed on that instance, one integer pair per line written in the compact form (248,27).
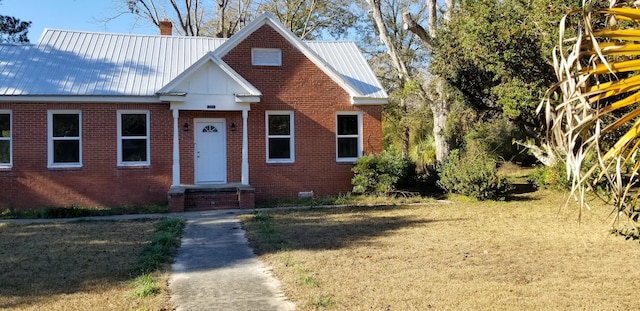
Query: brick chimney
(166,27)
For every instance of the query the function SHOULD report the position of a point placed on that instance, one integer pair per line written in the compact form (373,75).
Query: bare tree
(222,18)
(189,15)
(432,91)
(307,18)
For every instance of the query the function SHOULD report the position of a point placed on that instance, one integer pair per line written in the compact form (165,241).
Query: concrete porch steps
(210,197)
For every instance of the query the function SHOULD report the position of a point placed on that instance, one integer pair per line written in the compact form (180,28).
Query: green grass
(268,233)
(164,244)
(159,252)
(310,280)
(78,211)
(323,302)
(144,286)
(344,199)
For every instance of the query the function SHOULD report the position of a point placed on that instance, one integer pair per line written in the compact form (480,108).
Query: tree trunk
(405,129)
(440,111)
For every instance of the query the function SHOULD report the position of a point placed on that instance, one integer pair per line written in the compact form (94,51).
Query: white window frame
(10,139)
(120,138)
(51,139)
(358,136)
(266,57)
(291,136)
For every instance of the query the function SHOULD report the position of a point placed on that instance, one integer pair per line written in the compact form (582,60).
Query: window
(348,137)
(65,143)
(266,57)
(279,136)
(133,138)
(5,138)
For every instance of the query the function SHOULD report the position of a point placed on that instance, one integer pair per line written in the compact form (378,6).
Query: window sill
(6,168)
(133,166)
(281,162)
(346,161)
(65,167)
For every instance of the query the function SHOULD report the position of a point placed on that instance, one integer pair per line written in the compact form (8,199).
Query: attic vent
(209,129)
(266,57)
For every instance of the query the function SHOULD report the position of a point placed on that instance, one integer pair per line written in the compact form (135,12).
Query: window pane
(279,148)
(347,147)
(66,125)
(279,125)
(5,155)
(134,150)
(134,125)
(66,151)
(5,125)
(348,125)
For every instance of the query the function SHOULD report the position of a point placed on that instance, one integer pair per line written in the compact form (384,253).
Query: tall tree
(497,54)
(432,88)
(13,30)
(308,19)
(187,14)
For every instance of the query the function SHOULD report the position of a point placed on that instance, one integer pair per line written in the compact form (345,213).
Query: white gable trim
(369,101)
(268,19)
(209,57)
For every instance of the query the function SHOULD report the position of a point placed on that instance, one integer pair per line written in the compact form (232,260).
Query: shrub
(550,177)
(381,173)
(472,174)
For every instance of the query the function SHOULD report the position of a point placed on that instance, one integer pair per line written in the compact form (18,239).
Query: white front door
(210,151)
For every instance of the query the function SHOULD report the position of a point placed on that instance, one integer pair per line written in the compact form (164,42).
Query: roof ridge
(128,34)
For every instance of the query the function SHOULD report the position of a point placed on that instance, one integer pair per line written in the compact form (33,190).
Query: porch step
(210,199)
(213,197)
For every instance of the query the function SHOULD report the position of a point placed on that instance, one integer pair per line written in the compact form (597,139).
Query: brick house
(95,119)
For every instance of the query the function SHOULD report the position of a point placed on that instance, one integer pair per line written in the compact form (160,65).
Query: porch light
(233,126)
(185,127)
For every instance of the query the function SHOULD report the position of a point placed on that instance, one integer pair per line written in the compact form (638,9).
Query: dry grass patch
(75,266)
(522,254)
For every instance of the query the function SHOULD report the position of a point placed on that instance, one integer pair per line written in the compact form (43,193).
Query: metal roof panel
(103,64)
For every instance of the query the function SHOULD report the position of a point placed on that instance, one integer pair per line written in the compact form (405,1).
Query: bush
(550,177)
(472,174)
(381,173)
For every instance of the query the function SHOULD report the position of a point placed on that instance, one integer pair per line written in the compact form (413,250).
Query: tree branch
(411,25)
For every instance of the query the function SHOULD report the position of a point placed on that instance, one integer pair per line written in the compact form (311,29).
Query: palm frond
(593,112)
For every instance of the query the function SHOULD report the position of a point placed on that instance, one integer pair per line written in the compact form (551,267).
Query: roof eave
(369,100)
(79,98)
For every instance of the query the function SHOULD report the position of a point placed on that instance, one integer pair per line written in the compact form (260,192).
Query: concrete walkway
(215,269)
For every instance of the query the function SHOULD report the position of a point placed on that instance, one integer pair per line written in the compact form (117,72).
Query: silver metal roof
(345,57)
(102,64)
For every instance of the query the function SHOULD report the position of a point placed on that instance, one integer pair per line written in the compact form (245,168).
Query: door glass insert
(209,129)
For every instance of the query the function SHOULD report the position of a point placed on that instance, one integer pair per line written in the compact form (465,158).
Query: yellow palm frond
(593,112)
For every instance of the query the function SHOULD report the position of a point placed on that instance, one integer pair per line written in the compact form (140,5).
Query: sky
(85,15)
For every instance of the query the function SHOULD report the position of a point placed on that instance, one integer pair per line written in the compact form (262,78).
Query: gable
(207,82)
(267,32)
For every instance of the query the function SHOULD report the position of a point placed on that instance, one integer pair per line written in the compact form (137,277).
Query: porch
(187,198)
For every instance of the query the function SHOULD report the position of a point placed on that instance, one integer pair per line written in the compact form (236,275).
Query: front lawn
(87,265)
(523,254)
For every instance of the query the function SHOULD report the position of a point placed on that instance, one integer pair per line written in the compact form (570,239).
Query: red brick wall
(30,184)
(299,85)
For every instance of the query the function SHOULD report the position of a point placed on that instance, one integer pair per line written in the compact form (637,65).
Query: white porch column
(245,149)
(175,181)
